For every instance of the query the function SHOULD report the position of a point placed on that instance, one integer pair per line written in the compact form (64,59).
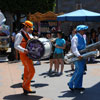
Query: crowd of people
(77,40)
(91,36)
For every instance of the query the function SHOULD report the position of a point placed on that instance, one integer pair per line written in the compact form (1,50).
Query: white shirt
(18,40)
(74,44)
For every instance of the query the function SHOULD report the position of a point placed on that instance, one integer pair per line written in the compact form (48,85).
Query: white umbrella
(80,15)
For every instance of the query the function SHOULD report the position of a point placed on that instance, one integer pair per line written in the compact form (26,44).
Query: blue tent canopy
(80,15)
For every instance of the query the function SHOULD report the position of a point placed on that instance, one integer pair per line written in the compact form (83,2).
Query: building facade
(66,6)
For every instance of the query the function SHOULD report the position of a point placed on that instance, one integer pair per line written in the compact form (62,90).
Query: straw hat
(28,24)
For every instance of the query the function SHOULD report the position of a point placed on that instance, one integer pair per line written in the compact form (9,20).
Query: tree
(24,7)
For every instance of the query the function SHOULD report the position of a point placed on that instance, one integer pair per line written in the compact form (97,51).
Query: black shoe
(84,73)
(72,69)
(50,71)
(72,89)
(22,77)
(57,74)
(27,92)
(61,73)
(80,89)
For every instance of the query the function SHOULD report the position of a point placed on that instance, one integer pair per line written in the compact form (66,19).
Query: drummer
(20,44)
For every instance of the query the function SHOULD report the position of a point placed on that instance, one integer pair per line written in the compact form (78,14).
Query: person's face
(48,36)
(59,36)
(74,31)
(82,32)
(28,29)
(93,34)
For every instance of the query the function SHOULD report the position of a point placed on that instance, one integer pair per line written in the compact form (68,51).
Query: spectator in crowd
(87,37)
(59,52)
(14,55)
(35,34)
(98,33)
(93,39)
(68,44)
(99,39)
(71,36)
(52,61)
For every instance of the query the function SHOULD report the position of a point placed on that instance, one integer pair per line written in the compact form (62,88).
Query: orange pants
(29,71)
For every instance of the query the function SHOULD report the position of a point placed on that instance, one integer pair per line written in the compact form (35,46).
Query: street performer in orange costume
(20,44)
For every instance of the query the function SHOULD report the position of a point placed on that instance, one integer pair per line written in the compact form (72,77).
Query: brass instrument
(85,53)
(84,56)
(87,49)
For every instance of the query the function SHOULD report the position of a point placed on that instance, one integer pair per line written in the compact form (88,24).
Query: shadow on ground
(22,97)
(18,85)
(69,73)
(39,85)
(89,94)
(95,62)
(47,74)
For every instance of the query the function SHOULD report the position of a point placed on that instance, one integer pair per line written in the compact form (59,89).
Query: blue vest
(81,42)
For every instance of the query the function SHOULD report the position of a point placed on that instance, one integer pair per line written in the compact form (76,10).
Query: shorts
(51,57)
(58,56)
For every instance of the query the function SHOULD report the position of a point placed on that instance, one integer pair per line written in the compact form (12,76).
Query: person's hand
(57,46)
(80,57)
(26,51)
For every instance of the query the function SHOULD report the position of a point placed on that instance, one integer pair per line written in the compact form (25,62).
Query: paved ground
(48,87)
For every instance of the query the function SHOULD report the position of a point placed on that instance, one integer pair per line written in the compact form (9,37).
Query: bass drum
(39,48)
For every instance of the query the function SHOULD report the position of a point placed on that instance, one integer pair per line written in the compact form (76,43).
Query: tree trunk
(18,15)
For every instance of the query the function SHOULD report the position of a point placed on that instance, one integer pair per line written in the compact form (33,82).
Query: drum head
(36,49)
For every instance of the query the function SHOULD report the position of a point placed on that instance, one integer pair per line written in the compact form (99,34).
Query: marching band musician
(78,43)
(20,44)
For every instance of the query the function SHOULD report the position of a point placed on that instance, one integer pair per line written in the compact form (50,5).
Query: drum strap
(24,36)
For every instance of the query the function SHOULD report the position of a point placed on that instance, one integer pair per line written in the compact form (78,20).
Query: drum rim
(44,50)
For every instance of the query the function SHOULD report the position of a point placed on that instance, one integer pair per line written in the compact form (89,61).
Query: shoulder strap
(24,36)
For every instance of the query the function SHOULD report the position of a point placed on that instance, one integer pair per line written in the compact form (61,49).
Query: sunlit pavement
(48,86)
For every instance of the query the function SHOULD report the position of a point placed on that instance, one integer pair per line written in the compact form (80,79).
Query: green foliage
(19,7)
(26,6)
